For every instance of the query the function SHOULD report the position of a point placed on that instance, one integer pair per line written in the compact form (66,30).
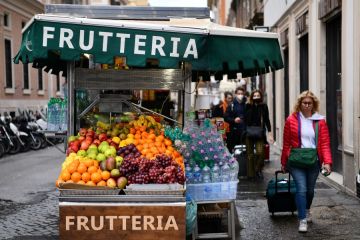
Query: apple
(111,183)
(102,137)
(82,132)
(90,133)
(93,146)
(84,145)
(119,159)
(100,157)
(81,138)
(110,153)
(115,173)
(104,148)
(74,148)
(96,142)
(121,182)
(109,140)
(72,138)
(92,155)
(81,153)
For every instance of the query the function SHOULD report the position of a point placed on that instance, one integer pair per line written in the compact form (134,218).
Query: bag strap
(316,131)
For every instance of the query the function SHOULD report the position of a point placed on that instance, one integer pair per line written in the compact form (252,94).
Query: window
(23,24)
(58,83)
(8,64)
(6,20)
(26,76)
(40,83)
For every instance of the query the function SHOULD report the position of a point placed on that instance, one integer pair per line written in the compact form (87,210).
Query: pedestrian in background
(220,110)
(235,116)
(257,121)
(299,132)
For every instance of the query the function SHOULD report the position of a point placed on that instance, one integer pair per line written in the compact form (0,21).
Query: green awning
(49,41)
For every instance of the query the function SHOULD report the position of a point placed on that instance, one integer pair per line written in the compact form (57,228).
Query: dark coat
(236,109)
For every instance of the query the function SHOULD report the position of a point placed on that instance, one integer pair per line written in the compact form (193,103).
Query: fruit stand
(123,176)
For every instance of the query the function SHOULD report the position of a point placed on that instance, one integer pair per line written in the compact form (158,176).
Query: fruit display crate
(212,191)
(155,189)
(71,189)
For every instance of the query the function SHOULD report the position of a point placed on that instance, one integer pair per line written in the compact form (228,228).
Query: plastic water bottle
(188,174)
(206,178)
(197,178)
(225,173)
(234,170)
(215,174)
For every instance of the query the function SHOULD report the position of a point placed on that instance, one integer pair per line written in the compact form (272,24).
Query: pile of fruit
(121,154)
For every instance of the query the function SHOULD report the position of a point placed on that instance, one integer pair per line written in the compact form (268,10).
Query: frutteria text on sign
(151,45)
(136,223)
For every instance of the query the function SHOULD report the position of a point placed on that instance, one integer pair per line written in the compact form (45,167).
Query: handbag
(255,132)
(304,157)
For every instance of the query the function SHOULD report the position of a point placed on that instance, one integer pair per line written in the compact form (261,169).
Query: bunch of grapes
(139,178)
(145,165)
(129,166)
(154,174)
(163,161)
(129,150)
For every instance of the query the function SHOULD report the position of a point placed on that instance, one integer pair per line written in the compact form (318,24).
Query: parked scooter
(8,138)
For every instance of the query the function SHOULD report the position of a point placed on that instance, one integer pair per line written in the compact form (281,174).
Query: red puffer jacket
(291,140)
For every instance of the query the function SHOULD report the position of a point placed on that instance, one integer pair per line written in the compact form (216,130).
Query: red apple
(109,140)
(90,133)
(97,142)
(84,145)
(114,144)
(82,132)
(74,148)
(81,138)
(102,137)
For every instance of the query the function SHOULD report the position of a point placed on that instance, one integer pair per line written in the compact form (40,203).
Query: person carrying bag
(306,147)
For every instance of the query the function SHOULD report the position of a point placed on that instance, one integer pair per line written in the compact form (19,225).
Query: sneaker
(303,226)
(308,216)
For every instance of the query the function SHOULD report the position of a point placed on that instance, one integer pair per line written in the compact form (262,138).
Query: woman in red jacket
(299,131)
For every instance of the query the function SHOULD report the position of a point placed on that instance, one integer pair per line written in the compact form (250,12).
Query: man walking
(235,115)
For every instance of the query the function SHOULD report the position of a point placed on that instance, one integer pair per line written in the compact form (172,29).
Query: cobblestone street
(29,204)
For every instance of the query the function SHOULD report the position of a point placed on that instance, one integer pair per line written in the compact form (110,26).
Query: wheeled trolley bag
(280,194)
(241,157)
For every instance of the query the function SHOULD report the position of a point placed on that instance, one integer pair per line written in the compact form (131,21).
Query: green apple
(93,146)
(92,155)
(100,157)
(110,153)
(92,150)
(119,159)
(81,153)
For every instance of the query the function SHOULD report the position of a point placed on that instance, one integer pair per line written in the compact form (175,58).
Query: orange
(149,155)
(167,142)
(176,154)
(170,148)
(158,144)
(96,177)
(90,183)
(86,176)
(88,163)
(144,135)
(72,168)
(145,151)
(154,150)
(82,168)
(101,183)
(132,130)
(99,171)
(92,169)
(65,175)
(137,136)
(143,129)
(159,138)
(149,140)
(76,176)
(81,182)
(96,163)
(105,175)
(57,183)
(140,147)
(152,136)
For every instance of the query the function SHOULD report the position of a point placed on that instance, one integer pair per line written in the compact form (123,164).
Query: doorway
(304,63)
(334,90)
(286,82)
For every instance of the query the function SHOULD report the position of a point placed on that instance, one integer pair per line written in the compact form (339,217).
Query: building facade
(320,41)
(21,85)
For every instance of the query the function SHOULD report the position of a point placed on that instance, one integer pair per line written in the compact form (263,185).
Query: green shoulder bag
(304,157)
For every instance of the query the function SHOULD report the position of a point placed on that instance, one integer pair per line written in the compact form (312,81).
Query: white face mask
(240,96)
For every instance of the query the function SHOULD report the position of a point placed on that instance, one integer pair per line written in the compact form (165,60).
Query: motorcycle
(8,138)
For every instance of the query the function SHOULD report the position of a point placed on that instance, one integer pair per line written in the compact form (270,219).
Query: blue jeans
(305,180)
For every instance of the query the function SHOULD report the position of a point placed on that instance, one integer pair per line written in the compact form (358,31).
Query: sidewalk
(336,215)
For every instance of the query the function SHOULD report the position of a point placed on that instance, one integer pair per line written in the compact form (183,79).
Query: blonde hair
(305,94)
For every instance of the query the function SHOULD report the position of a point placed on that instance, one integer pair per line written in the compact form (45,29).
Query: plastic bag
(191,215)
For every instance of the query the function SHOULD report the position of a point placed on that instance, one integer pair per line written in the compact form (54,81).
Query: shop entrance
(286,82)
(304,63)
(334,90)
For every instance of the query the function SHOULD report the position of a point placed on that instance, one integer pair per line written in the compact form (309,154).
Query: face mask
(240,96)
(256,100)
